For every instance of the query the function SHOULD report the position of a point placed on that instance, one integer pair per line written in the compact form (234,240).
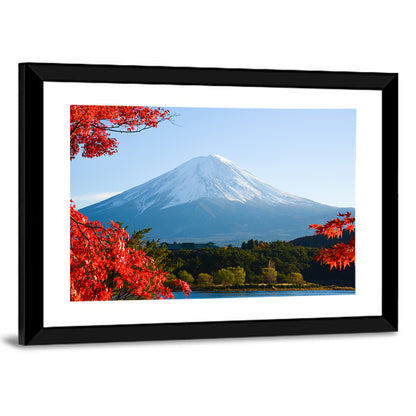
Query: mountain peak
(213,177)
(220,158)
(214,159)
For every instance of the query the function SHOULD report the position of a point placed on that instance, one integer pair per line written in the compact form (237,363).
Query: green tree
(204,280)
(270,273)
(249,245)
(230,276)
(296,278)
(160,254)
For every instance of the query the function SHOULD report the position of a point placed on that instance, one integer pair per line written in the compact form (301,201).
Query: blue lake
(261,293)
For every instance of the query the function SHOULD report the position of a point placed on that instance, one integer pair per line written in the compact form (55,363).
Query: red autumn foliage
(92,125)
(340,255)
(103,267)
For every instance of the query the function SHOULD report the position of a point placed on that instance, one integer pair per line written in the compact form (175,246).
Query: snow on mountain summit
(210,176)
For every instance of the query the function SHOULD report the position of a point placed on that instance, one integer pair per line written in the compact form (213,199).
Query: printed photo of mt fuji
(227,200)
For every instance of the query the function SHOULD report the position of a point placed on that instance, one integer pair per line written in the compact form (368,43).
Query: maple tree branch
(93,229)
(120,131)
(89,241)
(75,127)
(85,225)
(79,228)
(113,129)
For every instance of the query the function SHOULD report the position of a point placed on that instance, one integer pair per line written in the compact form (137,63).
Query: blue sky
(309,153)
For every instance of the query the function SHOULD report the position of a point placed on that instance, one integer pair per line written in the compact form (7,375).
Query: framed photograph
(175,203)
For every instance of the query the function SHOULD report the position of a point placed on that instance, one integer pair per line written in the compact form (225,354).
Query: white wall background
(322,375)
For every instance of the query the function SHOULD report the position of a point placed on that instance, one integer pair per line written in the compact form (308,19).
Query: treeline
(258,262)
(255,262)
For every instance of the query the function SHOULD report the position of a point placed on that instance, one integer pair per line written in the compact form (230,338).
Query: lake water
(261,293)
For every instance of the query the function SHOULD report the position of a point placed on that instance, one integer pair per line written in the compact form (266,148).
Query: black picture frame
(32,77)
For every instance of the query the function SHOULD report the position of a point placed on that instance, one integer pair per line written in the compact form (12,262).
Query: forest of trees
(253,263)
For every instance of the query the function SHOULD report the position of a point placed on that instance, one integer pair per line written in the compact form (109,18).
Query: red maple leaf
(340,255)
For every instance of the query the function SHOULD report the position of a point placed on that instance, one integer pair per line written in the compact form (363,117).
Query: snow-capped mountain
(211,199)
(212,176)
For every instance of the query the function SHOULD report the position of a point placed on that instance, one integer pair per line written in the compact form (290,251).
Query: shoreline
(271,289)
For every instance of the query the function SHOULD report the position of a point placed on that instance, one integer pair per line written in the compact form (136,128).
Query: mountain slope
(211,199)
